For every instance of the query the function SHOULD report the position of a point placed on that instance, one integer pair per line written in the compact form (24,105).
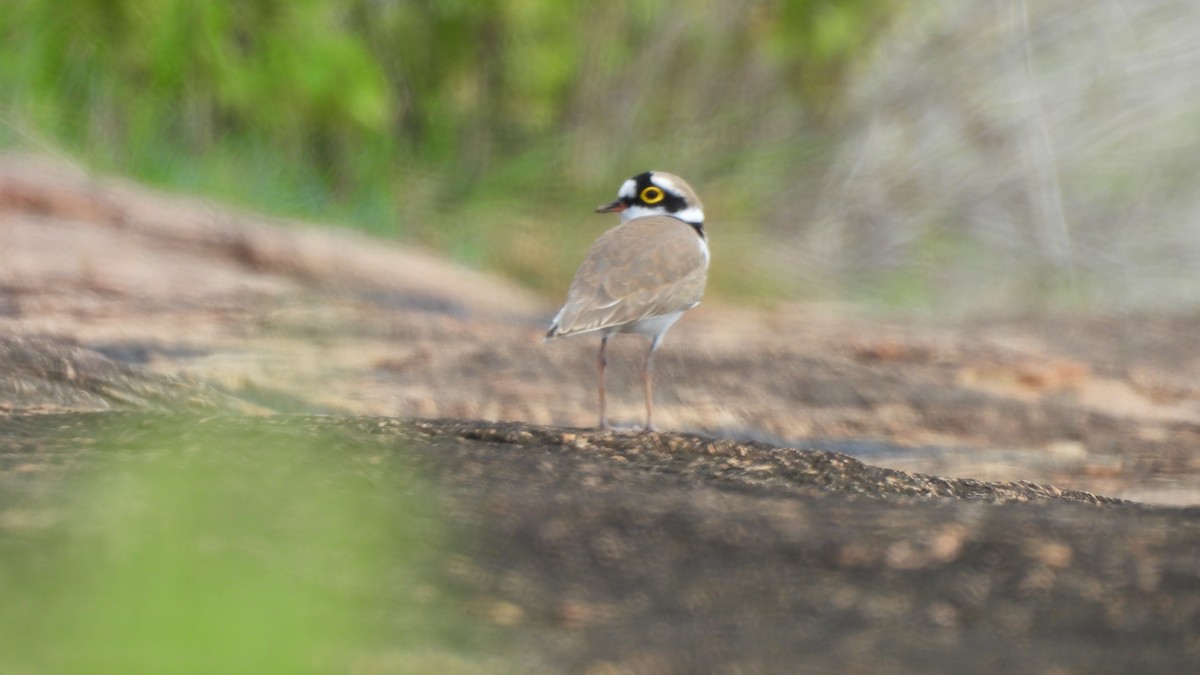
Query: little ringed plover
(642,275)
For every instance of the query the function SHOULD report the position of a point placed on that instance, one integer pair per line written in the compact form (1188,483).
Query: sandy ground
(291,317)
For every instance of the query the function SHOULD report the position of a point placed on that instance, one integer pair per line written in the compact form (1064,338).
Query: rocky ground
(838,492)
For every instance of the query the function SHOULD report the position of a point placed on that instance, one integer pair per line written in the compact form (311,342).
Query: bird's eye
(652,195)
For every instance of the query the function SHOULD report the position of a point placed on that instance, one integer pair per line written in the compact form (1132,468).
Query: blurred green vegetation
(486,130)
(176,545)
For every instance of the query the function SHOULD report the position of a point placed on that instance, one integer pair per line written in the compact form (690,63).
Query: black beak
(615,207)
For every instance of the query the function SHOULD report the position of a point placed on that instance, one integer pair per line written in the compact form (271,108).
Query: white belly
(655,325)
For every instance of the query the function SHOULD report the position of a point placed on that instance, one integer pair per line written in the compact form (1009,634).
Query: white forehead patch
(627,189)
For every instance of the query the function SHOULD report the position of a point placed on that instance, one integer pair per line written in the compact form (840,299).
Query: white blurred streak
(1025,154)
(1042,170)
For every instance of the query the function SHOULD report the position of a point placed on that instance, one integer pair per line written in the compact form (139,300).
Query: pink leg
(648,382)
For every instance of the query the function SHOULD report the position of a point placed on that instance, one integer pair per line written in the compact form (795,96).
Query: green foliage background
(482,129)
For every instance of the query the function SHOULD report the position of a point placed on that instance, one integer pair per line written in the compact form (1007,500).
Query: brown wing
(643,268)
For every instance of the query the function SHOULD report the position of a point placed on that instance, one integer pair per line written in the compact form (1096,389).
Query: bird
(640,276)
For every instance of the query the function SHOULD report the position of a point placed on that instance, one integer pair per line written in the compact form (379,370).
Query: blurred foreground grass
(176,548)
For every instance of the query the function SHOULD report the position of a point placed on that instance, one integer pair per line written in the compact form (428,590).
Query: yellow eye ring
(652,195)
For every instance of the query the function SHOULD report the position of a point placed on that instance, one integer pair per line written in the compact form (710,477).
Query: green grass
(475,129)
